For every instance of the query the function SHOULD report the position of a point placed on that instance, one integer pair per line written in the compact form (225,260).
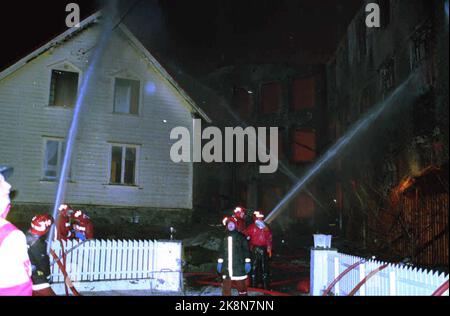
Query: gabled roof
(134,41)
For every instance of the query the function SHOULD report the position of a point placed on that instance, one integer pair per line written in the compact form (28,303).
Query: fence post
(319,269)
(392,284)
(362,275)
(336,275)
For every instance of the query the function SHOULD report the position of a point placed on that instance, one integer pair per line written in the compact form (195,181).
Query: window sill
(124,186)
(55,181)
(126,114)
(59,107)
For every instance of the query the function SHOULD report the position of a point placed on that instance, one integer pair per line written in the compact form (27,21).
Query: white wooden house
(122,154)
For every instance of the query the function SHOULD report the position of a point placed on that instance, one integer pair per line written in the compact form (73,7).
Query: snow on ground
(205,291)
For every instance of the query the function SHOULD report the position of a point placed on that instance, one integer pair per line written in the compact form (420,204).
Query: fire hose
(346,271)
(369,276)
(61,262)
(442,289)
(207,278)
(67,281)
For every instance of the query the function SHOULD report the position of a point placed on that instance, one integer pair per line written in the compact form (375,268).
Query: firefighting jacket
(240,223)
(259,237)
(64,226)
(84,226)
(40,262)
(234,254)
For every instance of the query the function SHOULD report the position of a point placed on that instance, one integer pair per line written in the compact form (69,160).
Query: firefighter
(15,266)
(37,251)
(240,217)
(260,238)
(64,222)
(234,263)
(82,228)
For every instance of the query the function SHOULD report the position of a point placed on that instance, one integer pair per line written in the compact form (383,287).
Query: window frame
(261,105)
(123,161)
(140,95)
(293,143)
(292,107)
(62,69)
(60,160)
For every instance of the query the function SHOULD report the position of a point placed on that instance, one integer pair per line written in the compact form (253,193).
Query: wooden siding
(26,119)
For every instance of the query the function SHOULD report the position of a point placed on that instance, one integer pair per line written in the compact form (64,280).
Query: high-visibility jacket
(234,254)
(15,266)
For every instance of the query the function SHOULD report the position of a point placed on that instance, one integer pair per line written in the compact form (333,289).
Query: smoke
(402,96)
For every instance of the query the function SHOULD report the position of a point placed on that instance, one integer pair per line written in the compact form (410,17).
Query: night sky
(196,36)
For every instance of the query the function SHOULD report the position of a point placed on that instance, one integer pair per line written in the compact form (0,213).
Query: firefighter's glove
(248,267)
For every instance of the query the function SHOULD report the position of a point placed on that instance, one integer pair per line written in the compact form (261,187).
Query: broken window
(420,45)
(303,146)
(268,197)
(126,96)
(243,102)
(304,206)
(271,97)
(387,75)
(63,88)
(123,165)
(361,36)
(304,94)
(53,159)
(385,11)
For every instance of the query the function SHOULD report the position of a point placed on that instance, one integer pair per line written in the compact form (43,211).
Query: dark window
(304,94)
(387,74)
(123,165)
(271,97)
(303,146)
(304,206)
(420,45)
(126,96)
(243,102)
(269,196)
(63,88)
(361,33)
(385,11)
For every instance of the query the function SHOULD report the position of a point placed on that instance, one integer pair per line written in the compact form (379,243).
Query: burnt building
(291,98)
(370,64)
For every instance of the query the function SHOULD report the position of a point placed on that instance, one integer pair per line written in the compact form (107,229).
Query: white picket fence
(117,260)
(394,280)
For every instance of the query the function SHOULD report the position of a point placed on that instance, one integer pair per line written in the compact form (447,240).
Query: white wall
(26,118)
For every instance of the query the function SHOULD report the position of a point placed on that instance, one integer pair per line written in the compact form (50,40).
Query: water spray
(358,128)
(105,34)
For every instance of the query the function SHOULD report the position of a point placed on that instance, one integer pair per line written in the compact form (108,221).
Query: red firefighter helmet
(239,211)
(64,207)
(65,210)
(40,224)
(258,215)
(228,219)
(80,214)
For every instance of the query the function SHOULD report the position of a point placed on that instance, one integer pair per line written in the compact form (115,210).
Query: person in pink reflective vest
(15,266)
